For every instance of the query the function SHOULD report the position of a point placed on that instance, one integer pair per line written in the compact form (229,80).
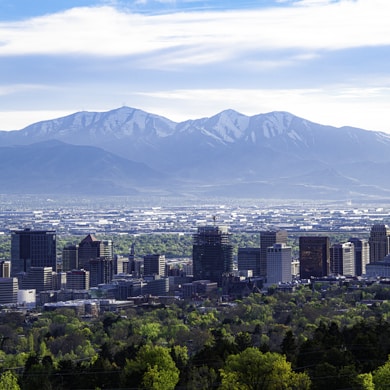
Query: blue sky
(326,61)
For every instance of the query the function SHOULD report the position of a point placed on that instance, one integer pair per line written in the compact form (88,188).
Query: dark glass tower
(212,253)
(32,248)
(249,259)
(314,256)
(70,257)
(154,265)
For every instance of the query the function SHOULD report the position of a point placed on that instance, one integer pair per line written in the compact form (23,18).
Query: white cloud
(6,90)
(260,48)
(16,120)
(200,36)
(335,105)
(313,2)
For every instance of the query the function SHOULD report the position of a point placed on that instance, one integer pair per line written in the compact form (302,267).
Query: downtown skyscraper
(314,256)
(212,253)
(268,239)
(32,248)
(379,242)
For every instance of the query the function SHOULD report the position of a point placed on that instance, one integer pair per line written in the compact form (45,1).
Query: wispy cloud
(336,105)
(322,60)
(106,31)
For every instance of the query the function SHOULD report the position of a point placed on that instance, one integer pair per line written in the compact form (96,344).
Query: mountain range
(128,151)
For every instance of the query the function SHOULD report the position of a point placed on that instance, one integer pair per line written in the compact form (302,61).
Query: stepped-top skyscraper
(212,253)
(379,242)
(32,248)
(90,248)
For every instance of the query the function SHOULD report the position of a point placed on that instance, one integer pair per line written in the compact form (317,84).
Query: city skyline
(321,60)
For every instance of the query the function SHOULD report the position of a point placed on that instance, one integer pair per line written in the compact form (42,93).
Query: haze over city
(325,61)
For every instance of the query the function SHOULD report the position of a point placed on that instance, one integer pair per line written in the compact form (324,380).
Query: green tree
(202,377)
(153,368)
(254,370)
(157,379)
(243,341)
(8,381)
(150,330)
(381,376)
(289,346)
(366,381)
(180,357)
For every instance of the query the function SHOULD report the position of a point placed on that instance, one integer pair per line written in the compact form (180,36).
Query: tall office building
(5,269)
(32,248)
(154,265)
(77,279)
(90,248)
(133,266)
(121,265)
(38,278)
(267,239)
(362,254)
(212,253)
(314,256)
(342,259)
(379,242)
(8,291)
(70,257)
(279,264)
(59,280)
(248,259)
(101,271)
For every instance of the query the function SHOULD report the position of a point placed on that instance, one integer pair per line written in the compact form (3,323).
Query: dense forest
(326,337)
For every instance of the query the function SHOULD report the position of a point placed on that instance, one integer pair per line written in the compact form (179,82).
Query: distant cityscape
(34,276)
(116,215)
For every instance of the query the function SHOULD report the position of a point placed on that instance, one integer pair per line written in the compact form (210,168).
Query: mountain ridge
(227,150)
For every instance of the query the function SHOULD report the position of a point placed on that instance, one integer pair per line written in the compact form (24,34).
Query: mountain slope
(275,153)
(56,167)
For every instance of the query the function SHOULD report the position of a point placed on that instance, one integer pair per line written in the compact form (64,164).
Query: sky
(327,61)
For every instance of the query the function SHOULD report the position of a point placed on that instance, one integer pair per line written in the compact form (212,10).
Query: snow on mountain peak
(119,123)
(229,125)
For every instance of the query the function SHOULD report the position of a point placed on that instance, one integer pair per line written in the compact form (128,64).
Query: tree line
(319,337)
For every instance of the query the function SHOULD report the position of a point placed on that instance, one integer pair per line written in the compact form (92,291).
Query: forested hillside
(330,337)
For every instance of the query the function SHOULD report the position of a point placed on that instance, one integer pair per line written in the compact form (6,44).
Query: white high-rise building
(279,264)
